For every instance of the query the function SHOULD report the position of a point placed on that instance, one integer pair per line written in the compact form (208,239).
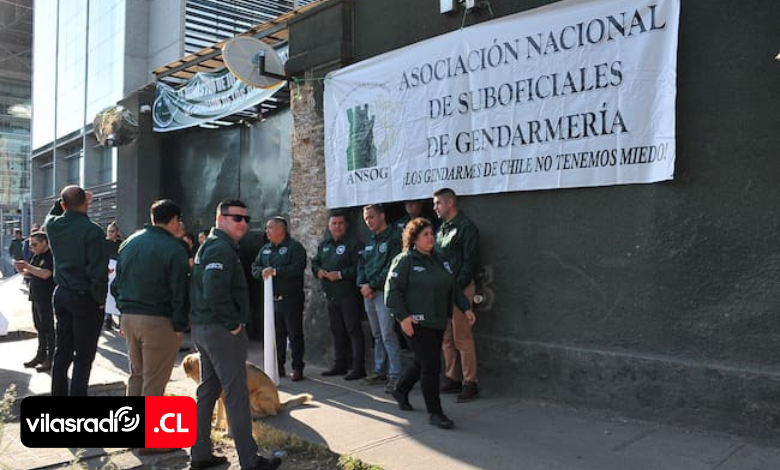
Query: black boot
(335,370)
(450,386)
(35,361)
(470,392)
(403,400)
(356,373)
(441,421)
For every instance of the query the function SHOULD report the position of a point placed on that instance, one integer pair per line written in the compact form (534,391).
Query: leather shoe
(470,392)
(297,376)
(441,421)
(403,400)
(45,366)
(266,464)
(355,374)
(334,371)
(34,362)
(451,386)
(212,461)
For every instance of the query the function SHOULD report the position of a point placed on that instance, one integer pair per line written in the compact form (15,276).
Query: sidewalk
(494,432)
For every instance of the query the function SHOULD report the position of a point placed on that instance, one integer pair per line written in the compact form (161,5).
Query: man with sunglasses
(39,272)
(284,259)
(220,311)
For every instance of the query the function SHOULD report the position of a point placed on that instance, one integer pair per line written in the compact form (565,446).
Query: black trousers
(347,330)
(79,321)
(43,319)
(426,367)
(288,314)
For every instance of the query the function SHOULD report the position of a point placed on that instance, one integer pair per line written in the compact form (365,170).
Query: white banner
(206,97)
(577,93)
(270,365)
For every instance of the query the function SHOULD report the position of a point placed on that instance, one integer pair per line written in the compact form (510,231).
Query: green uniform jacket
(152,271)
(79,250)
(289,260)
(377,256)
(218,289)
(401,223)
(457,241)
(341,256)
(15,249)
(422,286)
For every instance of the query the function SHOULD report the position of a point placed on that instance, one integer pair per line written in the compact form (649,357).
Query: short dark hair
(163,211)
(413,229)
(378,208)
(225,203)
(337,213)
(40,236)
(446,192)
(279,220)
(204,232)
(73,196)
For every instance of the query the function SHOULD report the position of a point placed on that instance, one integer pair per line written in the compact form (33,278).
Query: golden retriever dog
(263,394)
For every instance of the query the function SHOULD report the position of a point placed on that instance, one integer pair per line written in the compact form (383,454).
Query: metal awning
(274,32)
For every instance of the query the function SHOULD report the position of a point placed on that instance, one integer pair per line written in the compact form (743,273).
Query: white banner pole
(270,365)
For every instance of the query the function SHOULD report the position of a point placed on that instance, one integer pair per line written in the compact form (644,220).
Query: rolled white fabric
(3,325)
(269,332)
(110,301)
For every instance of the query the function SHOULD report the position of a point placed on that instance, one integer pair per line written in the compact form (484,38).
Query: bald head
(74,198)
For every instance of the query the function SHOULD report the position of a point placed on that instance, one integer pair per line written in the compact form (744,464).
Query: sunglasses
(238,217)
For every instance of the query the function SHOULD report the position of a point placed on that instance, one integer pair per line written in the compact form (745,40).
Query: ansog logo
(108,421)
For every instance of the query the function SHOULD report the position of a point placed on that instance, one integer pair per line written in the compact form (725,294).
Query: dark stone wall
(201,167)
(658,301)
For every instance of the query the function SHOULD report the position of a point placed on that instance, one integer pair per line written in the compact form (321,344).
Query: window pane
(44,52)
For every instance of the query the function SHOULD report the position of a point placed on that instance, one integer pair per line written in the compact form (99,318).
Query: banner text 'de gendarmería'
(578,93)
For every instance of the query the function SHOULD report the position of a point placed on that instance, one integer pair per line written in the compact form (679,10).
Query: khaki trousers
(152,346)
(459,344)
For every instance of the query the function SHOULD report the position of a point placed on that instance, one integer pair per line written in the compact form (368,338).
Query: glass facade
(210,21)
(79,60)
(73,165)
(45,178)
(105,68)
(14,142)
(44,66)
(71,63)
(105,164)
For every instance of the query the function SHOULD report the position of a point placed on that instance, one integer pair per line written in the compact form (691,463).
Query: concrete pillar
(308,214)
(138,168)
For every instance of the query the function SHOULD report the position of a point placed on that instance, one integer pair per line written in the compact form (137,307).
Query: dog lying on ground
(263,394)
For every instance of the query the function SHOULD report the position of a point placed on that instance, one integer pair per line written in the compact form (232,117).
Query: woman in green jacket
(419,292)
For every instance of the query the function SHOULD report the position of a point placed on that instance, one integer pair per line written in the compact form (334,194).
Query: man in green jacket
(336,266)
(457,241)
(220,311)
(284,259)
(81,275)
(151,291)
(383,245)
(15,248)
